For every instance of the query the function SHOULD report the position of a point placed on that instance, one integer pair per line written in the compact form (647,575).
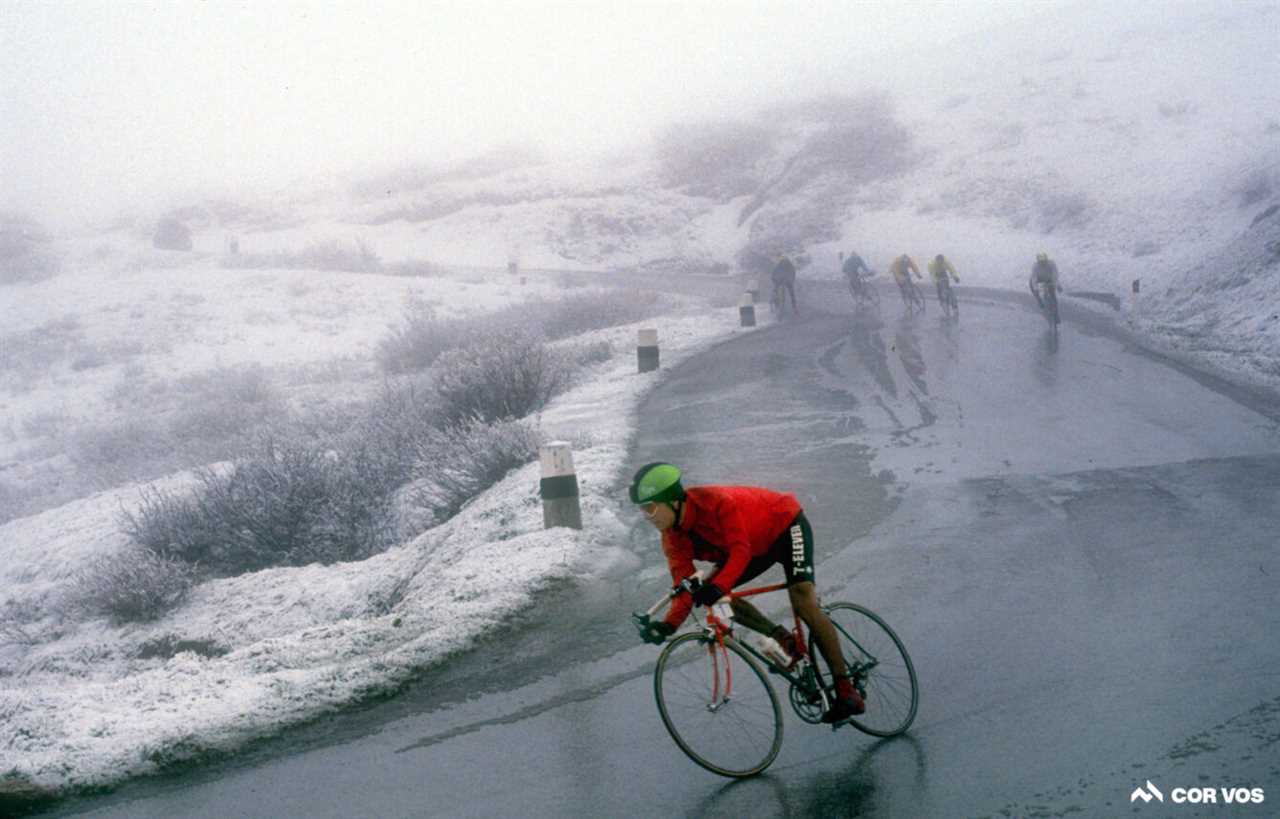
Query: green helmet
(657,482)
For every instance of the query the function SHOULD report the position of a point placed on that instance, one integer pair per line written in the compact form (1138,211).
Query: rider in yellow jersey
(902,268)
(939,268)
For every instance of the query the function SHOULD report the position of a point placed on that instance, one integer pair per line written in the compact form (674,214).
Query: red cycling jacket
(725,525)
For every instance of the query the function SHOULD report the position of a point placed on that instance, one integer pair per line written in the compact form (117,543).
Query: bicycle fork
(721,674)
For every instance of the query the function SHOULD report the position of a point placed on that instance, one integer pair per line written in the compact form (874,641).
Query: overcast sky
(103,104)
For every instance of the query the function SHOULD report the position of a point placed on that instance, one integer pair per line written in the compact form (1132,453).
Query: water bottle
(724,612)
(772,649)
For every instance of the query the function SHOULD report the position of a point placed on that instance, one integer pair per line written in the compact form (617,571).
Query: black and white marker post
(647,350)
(559,487)
(747,310)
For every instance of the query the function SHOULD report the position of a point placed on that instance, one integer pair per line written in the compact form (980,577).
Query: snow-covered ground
(1131,141)
(87,703)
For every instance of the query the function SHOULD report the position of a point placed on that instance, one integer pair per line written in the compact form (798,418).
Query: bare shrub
(170,646)
(1254,188)
(25,252)
(715,159)
(507,373)
(591,353)
(418,268)
(292,505)
(333,255)
(419,339)
(1175,110)
(861,140)
(171,234)
(356,257)
(1059,209)
(112,447)
(134,586)
(17,501)
(17,617)
(422,336)
(460,461)
(29,355)
(1146,247)
(584,312)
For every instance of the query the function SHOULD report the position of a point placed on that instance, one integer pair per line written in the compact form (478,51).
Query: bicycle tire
(881,668)
(918,296)
(738,737)
(952,300)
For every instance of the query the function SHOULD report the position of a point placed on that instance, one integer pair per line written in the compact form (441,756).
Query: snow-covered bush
(584,312)
(460,461)
(715,159)
(333,255)
(293,503)
(171,234)
(25,252)
(422,336)
(1063,209)
(132,586)
(507,373)
(419,339)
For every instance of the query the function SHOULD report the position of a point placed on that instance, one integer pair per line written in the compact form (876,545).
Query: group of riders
(1043,282)
(745,530)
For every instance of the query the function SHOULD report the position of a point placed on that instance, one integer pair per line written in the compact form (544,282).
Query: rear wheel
(917,297)
(881,669)
(718,705)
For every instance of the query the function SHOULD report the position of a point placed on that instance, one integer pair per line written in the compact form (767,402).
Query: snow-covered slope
(1131,141)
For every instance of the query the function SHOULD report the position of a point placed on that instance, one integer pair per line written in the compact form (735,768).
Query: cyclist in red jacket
(743,530)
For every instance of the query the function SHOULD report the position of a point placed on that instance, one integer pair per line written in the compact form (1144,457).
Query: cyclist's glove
(707,594)
(657,632)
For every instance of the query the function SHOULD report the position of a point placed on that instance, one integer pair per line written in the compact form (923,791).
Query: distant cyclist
(902,268)
(1044,278)
(940,268)
(744,530)
(784,277)
(854,268)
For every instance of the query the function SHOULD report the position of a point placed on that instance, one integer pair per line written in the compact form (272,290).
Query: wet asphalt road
(1077,547)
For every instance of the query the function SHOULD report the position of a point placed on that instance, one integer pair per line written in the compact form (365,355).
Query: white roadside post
(559,487)
(747,310)
(753,290)
(647,350)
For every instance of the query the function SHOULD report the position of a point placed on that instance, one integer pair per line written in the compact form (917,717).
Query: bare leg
(804,599)
(751,617)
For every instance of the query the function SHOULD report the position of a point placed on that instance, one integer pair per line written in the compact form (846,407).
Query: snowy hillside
(1130,141)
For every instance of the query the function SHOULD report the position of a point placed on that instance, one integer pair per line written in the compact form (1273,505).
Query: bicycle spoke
(889,681)
(738,736)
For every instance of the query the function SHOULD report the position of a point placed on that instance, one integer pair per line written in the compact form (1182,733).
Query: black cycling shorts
(793,550)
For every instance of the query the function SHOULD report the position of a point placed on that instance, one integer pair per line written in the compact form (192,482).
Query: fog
(105,106)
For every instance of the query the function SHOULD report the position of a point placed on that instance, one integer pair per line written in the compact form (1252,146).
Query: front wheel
(718,705)
(881,669)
